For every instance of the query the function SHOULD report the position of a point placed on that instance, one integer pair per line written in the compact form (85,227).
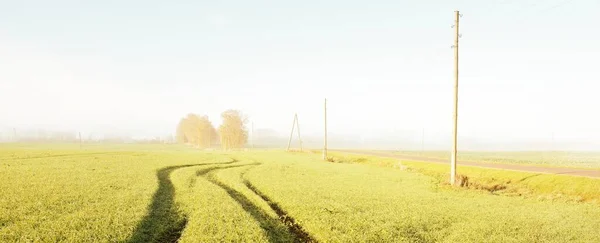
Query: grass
(349,202)
(219,210)
(166,194)
(499,182)
(544,158)
(514,183)
(59,198)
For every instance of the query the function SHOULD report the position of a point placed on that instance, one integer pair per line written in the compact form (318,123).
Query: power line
(524,11)
(506,3)
(558,5)
(542,10)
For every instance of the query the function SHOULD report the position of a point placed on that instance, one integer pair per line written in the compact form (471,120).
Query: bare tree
(233,131)
(197,130)
(180,134)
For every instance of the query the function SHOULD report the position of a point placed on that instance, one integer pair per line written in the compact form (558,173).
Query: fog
(114,69)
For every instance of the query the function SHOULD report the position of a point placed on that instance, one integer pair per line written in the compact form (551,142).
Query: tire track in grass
(163,223)
(275,231)
(301,234)
(268,223)
(204,171)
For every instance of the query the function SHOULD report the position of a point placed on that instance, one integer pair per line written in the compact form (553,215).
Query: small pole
(292,132)
(252,137)
(455,113)
(325,134)
(80,141)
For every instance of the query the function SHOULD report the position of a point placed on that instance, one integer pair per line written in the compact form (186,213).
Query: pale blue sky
(528,68)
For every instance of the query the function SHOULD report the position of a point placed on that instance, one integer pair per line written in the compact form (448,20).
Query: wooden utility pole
(325,134)
(295,124)
(252,137)
(455,113)
(292,133)
(80,141)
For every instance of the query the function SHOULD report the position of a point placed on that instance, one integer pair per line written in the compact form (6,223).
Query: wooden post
(292,132)
(455,113)
(325,134)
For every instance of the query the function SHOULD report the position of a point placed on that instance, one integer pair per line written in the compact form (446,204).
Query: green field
(165,193)
(545,158)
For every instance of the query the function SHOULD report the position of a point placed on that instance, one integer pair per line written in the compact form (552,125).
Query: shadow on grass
(296,229)
(529,177)
(163,223)
(275,230)
(539,174)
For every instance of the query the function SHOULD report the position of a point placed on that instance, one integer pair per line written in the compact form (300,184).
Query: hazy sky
(529,68)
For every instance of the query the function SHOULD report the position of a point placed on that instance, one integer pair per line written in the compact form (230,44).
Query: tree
(180,134)
(233,132)
(197,130)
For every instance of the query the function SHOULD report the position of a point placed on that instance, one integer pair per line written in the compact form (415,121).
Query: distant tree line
(38,135)
(197,130)
(33,135)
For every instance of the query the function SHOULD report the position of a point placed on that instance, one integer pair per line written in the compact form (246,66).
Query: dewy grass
(97,195)
(505,182)
(514,183)
(149,193)
(342,202)
(217,212)
(543,158)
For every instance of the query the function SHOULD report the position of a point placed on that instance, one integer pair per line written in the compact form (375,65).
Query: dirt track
(527,168)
